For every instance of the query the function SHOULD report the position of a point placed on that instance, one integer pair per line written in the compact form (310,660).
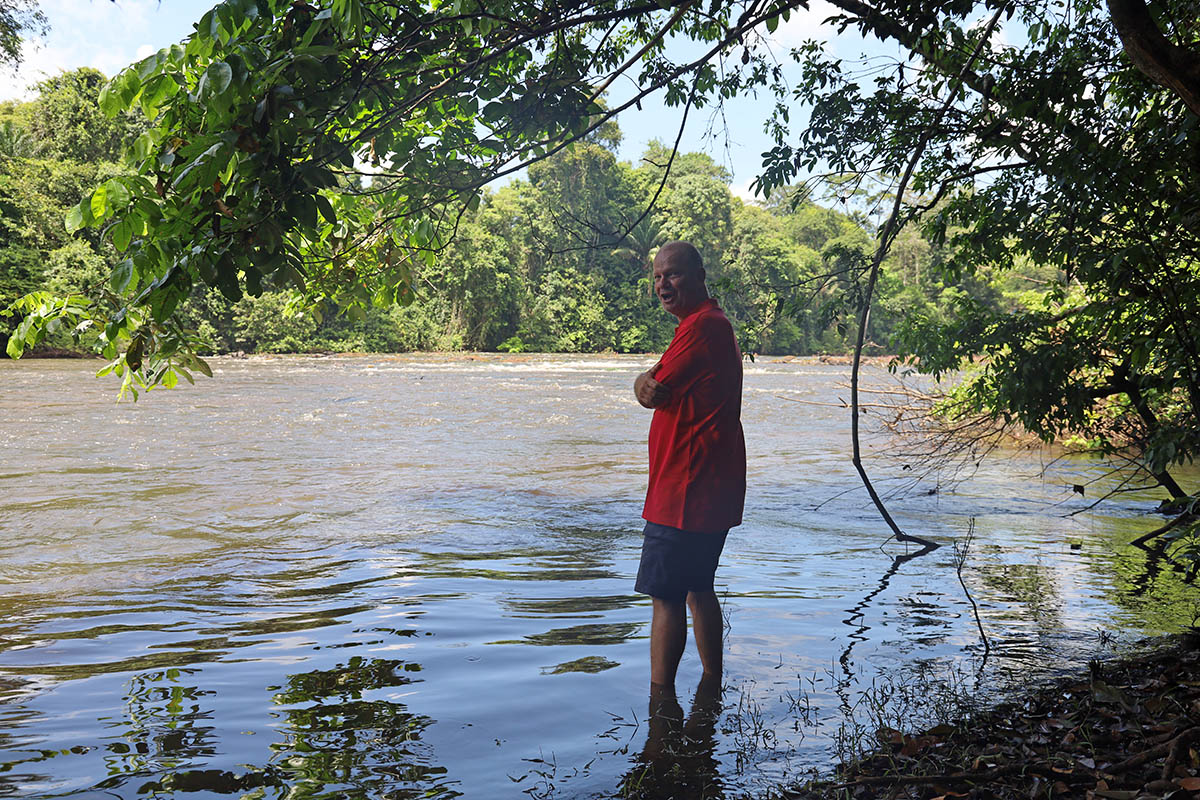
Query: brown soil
(1129,731)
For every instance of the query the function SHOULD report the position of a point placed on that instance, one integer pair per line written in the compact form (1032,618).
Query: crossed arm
(649,392)
(689,355)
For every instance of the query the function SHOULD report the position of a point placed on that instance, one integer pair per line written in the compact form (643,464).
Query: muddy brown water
(412,576)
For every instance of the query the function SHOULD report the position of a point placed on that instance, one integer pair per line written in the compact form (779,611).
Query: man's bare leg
(668,635)
(708,628)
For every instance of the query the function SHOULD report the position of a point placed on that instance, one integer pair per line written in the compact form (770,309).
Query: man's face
(679,286)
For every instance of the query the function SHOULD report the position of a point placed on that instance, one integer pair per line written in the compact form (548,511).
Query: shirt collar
(694,314)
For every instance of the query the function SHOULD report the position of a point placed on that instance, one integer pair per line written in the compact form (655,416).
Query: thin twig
(953,777)
(1152,754)
(960,553)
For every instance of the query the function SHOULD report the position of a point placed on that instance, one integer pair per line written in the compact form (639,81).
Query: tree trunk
(1167,64)
(1125,383)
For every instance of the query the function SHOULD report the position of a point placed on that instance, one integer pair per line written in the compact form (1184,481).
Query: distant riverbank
(834,359)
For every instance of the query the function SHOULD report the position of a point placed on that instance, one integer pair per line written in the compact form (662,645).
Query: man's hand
(649,392)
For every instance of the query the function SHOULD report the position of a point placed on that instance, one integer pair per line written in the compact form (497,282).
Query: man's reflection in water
(679,760)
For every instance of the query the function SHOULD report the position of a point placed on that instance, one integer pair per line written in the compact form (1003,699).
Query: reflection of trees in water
(339,741)
(1149,587)
(167,724)
(1154,588)
(1031,586)
(357,746)
(602,633)
(574,607)
(16,758)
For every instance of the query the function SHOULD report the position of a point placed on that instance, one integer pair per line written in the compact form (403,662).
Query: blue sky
(109,35)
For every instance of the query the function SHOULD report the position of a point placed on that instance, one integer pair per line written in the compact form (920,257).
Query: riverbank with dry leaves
(1128,731)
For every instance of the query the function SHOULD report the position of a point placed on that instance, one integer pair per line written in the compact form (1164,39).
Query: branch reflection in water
(857,615)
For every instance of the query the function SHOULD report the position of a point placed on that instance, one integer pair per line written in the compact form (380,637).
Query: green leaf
(202,366)
(326,209)
(127,84)
(163,303)
(216,79)
(148,209)
(122,235)
(143,146)
(99,202)
(159,90)
(16,346)
(253,281)
(316,176)
(304,210)
(147,66)
(121,276)
(110,98)
(75,217)
(117,195)
(205,168)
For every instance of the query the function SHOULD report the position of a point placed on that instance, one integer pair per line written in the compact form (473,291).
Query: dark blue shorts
(676,562)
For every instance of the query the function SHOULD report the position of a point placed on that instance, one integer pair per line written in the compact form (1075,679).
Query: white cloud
(745,192)
(805,24)
(100,34)
(39,63)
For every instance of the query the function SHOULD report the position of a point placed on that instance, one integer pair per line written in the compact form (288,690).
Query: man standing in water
(697,468)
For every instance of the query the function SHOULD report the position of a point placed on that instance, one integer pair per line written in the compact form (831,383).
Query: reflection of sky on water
(415,572)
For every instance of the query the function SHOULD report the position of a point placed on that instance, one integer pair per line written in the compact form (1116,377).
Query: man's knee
(669,605)
(702,601)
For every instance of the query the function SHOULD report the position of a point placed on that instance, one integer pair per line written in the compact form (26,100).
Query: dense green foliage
(538,265)
(1058,161)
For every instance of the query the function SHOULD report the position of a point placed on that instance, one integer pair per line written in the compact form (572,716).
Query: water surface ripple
(412,576)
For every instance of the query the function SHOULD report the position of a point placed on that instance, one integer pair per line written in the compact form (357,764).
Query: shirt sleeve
(687,360)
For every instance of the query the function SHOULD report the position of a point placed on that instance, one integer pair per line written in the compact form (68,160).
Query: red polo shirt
(697,452)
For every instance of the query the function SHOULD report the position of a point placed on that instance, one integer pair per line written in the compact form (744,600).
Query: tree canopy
(532,268)
(1059,154)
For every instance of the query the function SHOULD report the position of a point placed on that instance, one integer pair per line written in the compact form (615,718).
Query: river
(405,576)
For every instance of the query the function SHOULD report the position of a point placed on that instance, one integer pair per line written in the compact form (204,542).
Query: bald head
(679,278)
(684,254)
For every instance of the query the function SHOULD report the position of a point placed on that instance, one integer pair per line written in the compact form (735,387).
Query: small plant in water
(898,705)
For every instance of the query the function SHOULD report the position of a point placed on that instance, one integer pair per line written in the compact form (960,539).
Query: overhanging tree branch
(1164,62)
(886,236)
